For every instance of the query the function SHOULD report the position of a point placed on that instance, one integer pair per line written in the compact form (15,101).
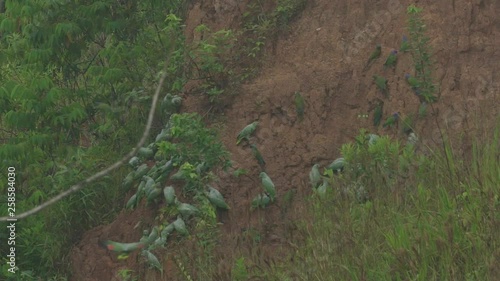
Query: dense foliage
(75,81)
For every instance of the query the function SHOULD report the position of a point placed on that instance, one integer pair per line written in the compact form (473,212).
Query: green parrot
(321,190)
(167,231)
(159,242)
(315,176)
(150,184)
(375,55)
(121,247)
(372,139)
(179,175)
(215,197)
(128,180)
(337,165)
(299,105)
(163,171)
(153,260)
(412,81)
(169,194)
(246,132)
(141,171)
(153,194)
(149,237)
(140,191)
(202,168)
(260,201)
(170,104)
(145,153)
(164,135)
(186,209)
(391,120)
(405,45)
(134,162)
(381,83)
(377,115)
(258,156)
(132,202)
(268,185)
(180,226)
(391,60)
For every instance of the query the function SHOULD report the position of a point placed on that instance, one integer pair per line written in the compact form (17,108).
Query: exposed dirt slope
(323,57)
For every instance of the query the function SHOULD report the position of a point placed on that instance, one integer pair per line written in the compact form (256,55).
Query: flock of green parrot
(269,194)
(319,182)
(151,178)
(382,85)
(149,188)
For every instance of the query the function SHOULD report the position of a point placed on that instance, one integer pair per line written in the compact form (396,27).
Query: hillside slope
(323,56)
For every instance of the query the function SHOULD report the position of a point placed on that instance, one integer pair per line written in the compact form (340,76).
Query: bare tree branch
(106,171)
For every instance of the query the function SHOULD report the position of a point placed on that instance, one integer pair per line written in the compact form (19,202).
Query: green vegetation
(187,146)
(421,53)
(74,81)
(212,62)
(126,275)
(261,24)
(421,83)
(395,215)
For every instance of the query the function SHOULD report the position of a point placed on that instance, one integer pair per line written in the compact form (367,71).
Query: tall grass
(418,223)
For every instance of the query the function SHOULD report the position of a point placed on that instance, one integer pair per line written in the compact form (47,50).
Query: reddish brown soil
(323,56)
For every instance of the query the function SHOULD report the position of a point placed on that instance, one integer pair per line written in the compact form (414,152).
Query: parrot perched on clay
(299,105)
(153,260)
(258,156)
(169,194)
(260,201)
(134,162)
(405,45)
(215,197)
(246,132)
(412,81)
(170,103)
(180,226)
(268,185)
(391,120)
(337,165)
(372,139)
(392,59)
(381,84)
(187,210)
(377,115)
(315,176)
(321,190)
(164,135)
(375,55)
